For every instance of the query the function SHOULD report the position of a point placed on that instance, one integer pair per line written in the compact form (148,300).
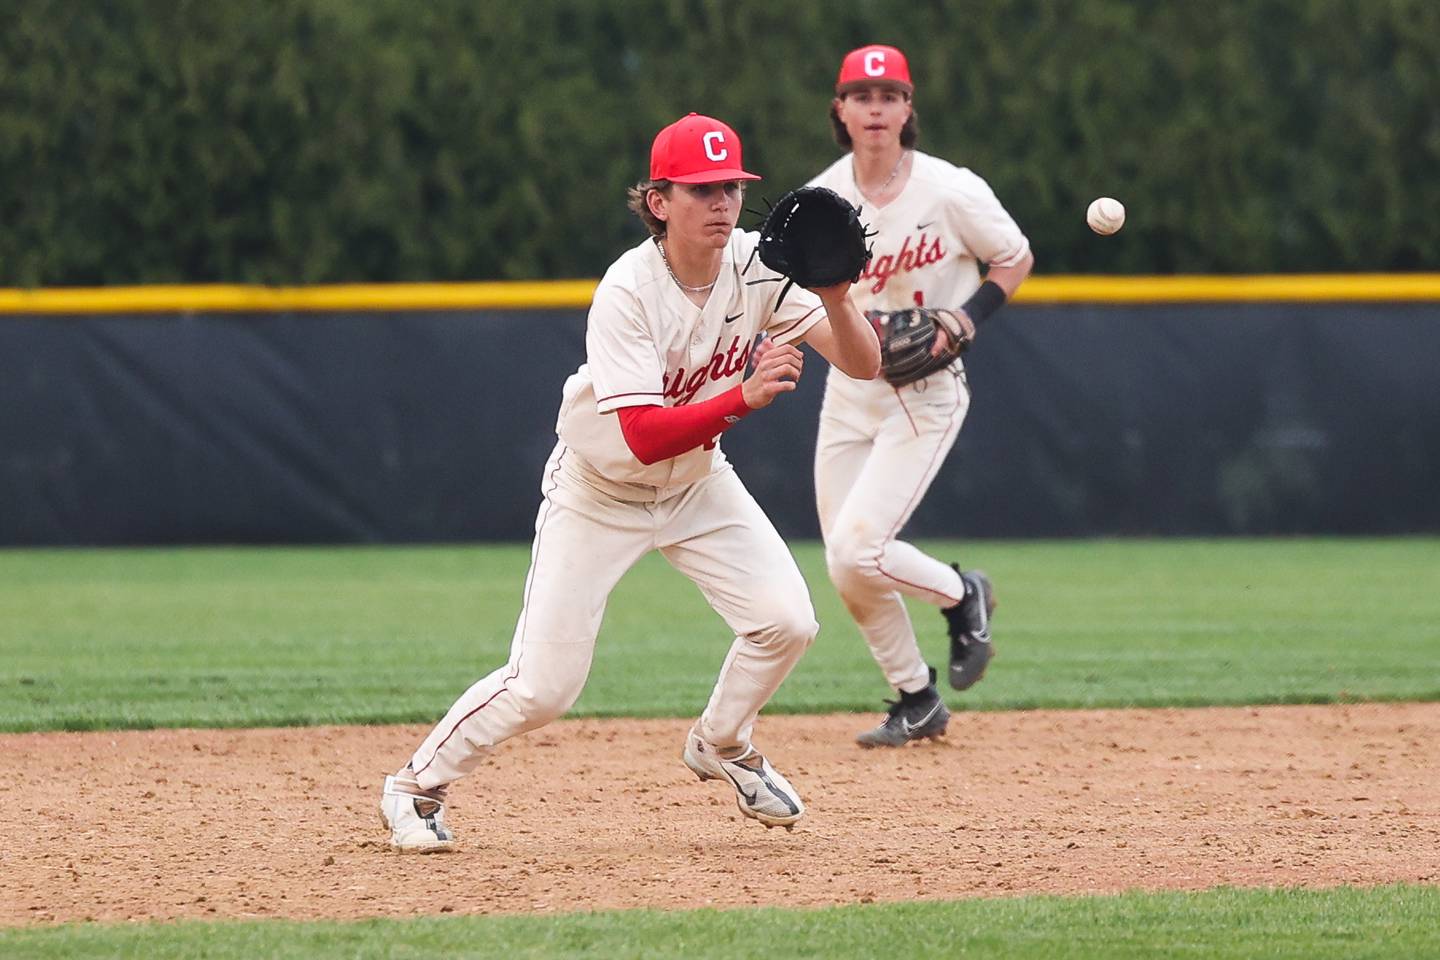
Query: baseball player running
(880,446)
(637,467)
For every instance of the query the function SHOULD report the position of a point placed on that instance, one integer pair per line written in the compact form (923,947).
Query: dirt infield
(592,814)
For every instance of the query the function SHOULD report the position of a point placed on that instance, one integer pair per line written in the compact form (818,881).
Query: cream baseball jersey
(647,343)
(930,239)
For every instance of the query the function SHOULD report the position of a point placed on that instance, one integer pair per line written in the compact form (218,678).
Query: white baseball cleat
(760,792)
(416,818)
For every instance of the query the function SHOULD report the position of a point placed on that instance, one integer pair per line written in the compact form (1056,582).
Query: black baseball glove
(814,237)
(907,342)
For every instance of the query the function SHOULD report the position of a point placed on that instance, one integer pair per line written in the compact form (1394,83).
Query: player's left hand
(814,237)
(834,292)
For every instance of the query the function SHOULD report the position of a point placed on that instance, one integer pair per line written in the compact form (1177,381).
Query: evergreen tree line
(318,141)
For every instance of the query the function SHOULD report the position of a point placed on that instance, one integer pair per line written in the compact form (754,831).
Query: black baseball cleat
(968,623)
(915,716)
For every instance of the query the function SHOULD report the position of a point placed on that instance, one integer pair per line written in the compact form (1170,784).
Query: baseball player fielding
(674,325)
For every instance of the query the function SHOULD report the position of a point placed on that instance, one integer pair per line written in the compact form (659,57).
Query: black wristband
(985,301)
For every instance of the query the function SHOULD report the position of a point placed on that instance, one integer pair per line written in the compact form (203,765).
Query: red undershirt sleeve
(656,433)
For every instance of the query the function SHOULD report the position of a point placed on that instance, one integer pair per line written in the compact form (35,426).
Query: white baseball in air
(1105,215)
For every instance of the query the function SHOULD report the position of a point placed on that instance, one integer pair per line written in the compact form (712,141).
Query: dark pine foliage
(310,141)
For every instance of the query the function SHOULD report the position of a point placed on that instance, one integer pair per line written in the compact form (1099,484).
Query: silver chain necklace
(683,286)
(888,180)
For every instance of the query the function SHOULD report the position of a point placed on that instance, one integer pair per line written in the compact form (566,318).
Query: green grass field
(247,637)
(1338,924)
(95,639)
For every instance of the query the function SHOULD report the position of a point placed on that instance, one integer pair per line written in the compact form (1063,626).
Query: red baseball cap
(875,63)
(697,149)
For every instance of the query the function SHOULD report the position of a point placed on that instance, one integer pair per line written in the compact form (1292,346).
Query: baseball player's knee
(790,634)
(802,628)
(544,700)
(786,624)
(854,565)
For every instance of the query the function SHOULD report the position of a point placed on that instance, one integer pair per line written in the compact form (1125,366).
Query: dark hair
(908,133)
(635,200)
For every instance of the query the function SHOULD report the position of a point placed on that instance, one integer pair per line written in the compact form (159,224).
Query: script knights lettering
(923,253)
(683,385)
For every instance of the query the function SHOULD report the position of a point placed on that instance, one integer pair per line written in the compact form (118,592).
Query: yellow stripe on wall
(255,299)
(1319,288)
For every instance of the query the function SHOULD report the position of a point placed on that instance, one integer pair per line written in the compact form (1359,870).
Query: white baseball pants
(879,449)
(714,532)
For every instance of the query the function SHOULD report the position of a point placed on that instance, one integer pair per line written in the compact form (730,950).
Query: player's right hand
(945,341)
(775,370)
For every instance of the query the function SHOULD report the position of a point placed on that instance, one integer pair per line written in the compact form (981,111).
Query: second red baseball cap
(875,63)
(697,149)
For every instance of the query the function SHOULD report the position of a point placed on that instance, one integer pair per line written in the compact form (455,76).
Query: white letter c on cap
(875,63)
(712,138)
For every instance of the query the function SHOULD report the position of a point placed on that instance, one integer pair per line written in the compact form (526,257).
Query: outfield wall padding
(433,426)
